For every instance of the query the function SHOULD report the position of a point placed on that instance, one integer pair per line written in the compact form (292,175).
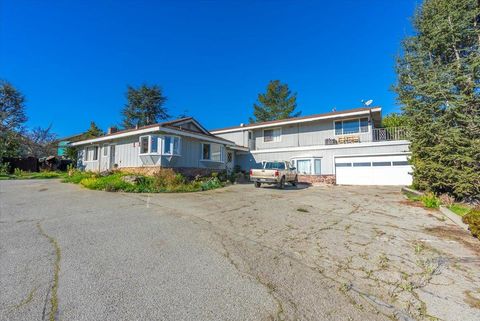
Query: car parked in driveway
(276,172)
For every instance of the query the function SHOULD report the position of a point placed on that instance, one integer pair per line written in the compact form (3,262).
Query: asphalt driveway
(238,253)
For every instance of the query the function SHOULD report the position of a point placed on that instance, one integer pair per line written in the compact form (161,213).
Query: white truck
(276,172)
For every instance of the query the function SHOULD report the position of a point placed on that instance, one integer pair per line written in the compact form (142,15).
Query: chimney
(112,130)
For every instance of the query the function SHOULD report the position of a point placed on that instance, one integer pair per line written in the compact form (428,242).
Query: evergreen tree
(93,131)
(438,88)
(145,106)
(394,120)
(277,103)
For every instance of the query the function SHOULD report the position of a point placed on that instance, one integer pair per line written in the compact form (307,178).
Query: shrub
(212,183)
(4,168)
(472,218)
(429,200)
(18,172)
(446,200)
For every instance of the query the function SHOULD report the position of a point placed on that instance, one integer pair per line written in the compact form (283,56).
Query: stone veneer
(317,179)
(186,171)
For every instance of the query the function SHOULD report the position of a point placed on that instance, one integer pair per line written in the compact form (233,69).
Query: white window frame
(349,119)
(86,153)
(222,154)
(274,140)
(149,151)
(312,164)
(172,137)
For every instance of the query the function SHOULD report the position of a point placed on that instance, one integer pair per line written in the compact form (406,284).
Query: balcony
(376,135)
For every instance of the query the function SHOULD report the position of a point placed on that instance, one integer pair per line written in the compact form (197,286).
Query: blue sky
(74,59)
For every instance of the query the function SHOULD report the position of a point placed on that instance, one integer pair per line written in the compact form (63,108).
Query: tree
(394,120)
(40,142)
(277,103)
(438,88)
(12,119)
(93,131)
(145,106)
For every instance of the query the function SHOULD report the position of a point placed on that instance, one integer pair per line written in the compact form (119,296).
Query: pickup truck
(277,172)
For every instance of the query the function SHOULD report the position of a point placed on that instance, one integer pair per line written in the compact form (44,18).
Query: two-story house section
(346,147)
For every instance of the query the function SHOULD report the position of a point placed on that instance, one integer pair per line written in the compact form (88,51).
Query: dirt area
(364,248)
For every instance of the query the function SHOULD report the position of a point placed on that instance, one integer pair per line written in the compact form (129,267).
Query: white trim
(222,154)
(196,123)
(359,127)
(295,121)
(171,145)
(273,129)
(311,159)
(373,154)
(320,147)
(152,130)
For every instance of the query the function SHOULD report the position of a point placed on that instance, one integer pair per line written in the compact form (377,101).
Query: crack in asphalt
(52,290)
(376,302)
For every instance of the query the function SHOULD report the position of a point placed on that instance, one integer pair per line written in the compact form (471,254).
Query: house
(64,142)
(182,144)
(344,147)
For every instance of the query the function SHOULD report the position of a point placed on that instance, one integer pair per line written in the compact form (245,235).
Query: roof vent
(242,124)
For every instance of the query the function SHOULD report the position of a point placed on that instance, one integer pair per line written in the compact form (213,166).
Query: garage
(373,170)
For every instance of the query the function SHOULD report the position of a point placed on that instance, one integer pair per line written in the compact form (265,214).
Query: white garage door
(373,170)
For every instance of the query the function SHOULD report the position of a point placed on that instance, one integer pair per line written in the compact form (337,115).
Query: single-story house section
(182,144)
(346,147)
(342,147)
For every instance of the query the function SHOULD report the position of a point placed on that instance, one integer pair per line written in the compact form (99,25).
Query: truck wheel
(281,185)
(295,181)
(258,184)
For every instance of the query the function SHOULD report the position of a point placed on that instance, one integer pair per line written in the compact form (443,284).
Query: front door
(230,161)
(112,157)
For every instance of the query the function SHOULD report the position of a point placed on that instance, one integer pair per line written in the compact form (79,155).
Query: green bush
(472,218)
(165,180)
(429,200)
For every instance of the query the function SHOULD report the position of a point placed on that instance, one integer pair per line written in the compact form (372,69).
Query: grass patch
(459,209)
(165,181)
(19,174)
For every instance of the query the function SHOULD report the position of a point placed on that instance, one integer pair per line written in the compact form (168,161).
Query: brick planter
(317,179)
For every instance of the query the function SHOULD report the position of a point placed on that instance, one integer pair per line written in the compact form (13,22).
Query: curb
(453,217)
(406,189)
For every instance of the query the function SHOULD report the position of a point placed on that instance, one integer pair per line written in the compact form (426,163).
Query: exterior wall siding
(127,152)
(295,135)
(327,155)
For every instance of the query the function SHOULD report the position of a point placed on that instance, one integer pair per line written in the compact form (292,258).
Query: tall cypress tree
(277,103)
(438,88)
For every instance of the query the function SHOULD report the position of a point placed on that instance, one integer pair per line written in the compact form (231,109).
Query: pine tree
(438,88)
(93,131)
(277,103)
(145,106)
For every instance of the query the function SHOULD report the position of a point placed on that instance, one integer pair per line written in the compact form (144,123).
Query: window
(351,126)
(249,135)
(105,150)
(362,164)
(171,145)
(213,152)
(381,164)
(91,153)
(206,151)
(272,135)
(148,144)
(311,166)
(400,163)
(144,144)
(303,166)
(274,165)
(343,164)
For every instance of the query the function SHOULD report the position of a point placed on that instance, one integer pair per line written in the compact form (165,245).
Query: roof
(168,126)
(333,114)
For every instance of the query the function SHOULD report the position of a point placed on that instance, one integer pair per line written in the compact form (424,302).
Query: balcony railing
(389,134)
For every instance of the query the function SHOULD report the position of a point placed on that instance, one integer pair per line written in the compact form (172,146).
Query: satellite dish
(367,103)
